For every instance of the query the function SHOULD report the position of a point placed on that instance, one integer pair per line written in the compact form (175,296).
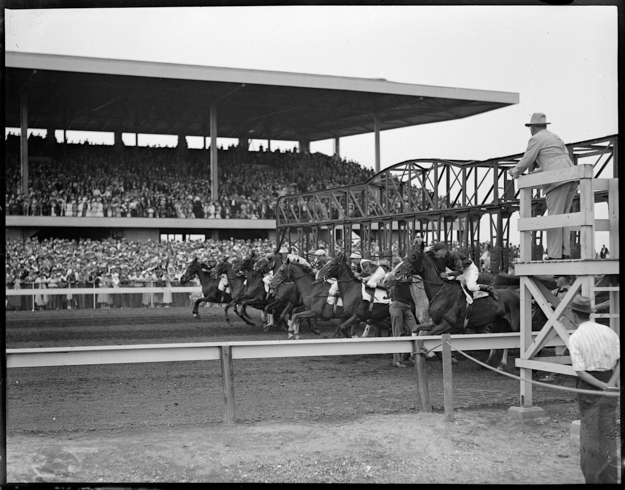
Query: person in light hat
(321,259)
(355,259)
(292,257)
(595,356)
(377,277)
(547,151)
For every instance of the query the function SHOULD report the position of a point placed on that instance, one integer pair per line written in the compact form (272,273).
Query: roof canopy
(93,94)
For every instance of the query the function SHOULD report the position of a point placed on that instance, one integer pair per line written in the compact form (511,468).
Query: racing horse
(314,297)
(449,310)
(236,282)
(209,281)
(286,295)
(354,305)
(253,293)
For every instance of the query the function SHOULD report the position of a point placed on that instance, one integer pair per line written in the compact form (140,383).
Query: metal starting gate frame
(440,199)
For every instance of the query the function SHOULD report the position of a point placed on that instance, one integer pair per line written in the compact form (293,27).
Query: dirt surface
(345,419)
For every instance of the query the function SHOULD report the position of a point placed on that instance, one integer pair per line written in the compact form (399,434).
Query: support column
(24,144)
(213,154)
(337,147)
(304,146)
(244,144)
(376,128)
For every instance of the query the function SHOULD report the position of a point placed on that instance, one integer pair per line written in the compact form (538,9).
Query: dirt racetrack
(345,419)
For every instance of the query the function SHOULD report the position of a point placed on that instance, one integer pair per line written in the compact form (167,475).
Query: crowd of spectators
(86,263)
(59,263)
(101,181)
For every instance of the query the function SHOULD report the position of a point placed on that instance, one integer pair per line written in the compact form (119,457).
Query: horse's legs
(295,321)
(196,306)
(504,361)
(348,323)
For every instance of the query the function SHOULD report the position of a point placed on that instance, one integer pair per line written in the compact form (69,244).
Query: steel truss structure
(443,200)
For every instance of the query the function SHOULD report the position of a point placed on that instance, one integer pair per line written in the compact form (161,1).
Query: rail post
(421,370)
(448,389)
(227,381)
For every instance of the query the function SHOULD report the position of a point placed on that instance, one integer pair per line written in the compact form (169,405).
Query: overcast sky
(560,60)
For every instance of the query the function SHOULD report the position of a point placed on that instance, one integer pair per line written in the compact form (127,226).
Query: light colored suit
(549,152)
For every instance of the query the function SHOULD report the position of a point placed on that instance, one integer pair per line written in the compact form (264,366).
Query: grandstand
(121,96)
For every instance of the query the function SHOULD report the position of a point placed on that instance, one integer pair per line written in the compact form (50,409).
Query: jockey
(321,259)
(462,267)
(286,255)
(377,278)
(355,259)
(269,276)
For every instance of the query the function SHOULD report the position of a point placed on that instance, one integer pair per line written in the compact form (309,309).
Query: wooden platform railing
(584,269)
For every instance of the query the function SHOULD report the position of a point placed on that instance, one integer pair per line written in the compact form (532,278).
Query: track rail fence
(228,352)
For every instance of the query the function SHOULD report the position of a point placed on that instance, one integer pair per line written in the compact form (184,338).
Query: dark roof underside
(293,107)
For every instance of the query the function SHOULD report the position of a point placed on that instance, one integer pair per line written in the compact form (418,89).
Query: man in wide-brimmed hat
(547,151)
(595,356)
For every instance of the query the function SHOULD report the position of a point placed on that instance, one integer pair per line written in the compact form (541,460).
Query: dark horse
(354,305)
(253,292)
(209,281)
(286,297)
(448,305)
(236,282)
(314,296)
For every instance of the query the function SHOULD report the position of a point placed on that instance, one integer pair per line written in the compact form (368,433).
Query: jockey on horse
(462,269)
(284,252)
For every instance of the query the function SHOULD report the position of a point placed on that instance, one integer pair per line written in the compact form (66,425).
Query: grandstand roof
(95,94)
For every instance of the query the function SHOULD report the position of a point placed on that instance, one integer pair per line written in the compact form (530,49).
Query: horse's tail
(512,302)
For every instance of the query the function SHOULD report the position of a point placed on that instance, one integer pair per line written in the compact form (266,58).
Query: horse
(253,293)
(237,286)
(449,310)
(355,306)
(209,281)
(314,296)
(286,295)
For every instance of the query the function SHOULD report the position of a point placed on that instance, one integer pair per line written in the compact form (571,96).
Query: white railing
(152,290)
(226,352)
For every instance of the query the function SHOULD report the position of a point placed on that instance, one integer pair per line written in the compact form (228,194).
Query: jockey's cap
(284,250)
(320,252)
(439,246)
(355,255)
(311,252)
(384,262)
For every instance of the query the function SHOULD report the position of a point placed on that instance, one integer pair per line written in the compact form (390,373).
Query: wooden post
(448,388)
(421,370)
(227,381)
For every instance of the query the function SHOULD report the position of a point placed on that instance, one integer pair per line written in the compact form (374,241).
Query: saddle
(378,295)
(476,294)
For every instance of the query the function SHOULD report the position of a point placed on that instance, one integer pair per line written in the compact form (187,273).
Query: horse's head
(222,266)
(400,273)
(244,265)
(332,268)
(278,277)
(192,269)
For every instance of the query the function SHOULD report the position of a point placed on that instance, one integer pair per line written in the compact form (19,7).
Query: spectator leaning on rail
(546,150)
(462,268)
(595,356)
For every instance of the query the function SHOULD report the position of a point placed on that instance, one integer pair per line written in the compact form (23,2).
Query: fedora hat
(582,304)
(538,119)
